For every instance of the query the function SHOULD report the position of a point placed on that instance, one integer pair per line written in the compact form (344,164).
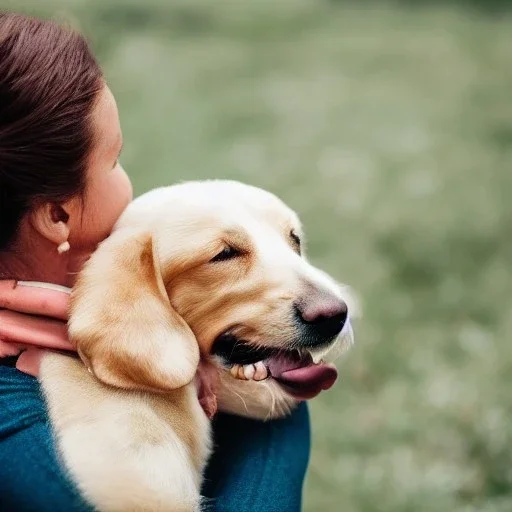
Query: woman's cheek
(125,186)
(118,195)
(104,204)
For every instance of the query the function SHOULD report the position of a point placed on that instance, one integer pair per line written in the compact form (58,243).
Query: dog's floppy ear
(122,322)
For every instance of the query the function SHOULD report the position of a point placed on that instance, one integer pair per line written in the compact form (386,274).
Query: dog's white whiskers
(269,391)
(273,405)
(242,400)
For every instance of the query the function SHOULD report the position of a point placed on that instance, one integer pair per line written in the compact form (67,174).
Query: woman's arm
(31,477)
(258,466)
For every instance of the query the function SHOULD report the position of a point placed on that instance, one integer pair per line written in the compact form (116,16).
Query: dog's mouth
(294,370)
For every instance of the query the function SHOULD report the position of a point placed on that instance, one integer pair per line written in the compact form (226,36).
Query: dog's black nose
(323,316)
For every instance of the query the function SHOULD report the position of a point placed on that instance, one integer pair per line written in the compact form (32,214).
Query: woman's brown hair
(49,81)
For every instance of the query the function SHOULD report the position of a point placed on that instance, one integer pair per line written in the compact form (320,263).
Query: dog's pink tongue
(304,382)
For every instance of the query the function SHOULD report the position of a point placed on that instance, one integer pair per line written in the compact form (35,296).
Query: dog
(212,271)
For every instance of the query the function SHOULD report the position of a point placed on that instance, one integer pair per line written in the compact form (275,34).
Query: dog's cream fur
(128,424)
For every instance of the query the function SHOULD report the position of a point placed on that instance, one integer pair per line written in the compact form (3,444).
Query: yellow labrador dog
(203,269)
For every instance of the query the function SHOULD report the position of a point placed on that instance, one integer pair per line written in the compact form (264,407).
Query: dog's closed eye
(228,253)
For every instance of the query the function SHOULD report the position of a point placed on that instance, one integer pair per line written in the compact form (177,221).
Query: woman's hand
(32,320)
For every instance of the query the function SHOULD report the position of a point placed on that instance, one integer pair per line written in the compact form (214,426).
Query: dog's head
(213,268)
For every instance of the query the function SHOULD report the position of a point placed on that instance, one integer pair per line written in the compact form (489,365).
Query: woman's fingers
(20,328)
(30,361)
(34,299)
(33,315)
(9,349)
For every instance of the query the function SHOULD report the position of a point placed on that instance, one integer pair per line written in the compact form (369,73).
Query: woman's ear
(122,322)
(51,221)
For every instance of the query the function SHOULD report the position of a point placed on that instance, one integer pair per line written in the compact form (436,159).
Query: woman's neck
(36,259)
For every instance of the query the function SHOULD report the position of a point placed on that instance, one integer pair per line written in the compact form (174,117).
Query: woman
(62,189)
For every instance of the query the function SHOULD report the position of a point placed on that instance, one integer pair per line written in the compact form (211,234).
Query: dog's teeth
(256,371)
(241,374)
(261,371)
(249,371)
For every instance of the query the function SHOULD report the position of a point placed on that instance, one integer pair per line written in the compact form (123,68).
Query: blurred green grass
(388,127)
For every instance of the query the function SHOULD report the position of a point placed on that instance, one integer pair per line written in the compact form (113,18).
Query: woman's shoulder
(21,401)
(32,478)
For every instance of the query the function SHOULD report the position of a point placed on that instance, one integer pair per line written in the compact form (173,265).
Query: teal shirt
(256,466)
